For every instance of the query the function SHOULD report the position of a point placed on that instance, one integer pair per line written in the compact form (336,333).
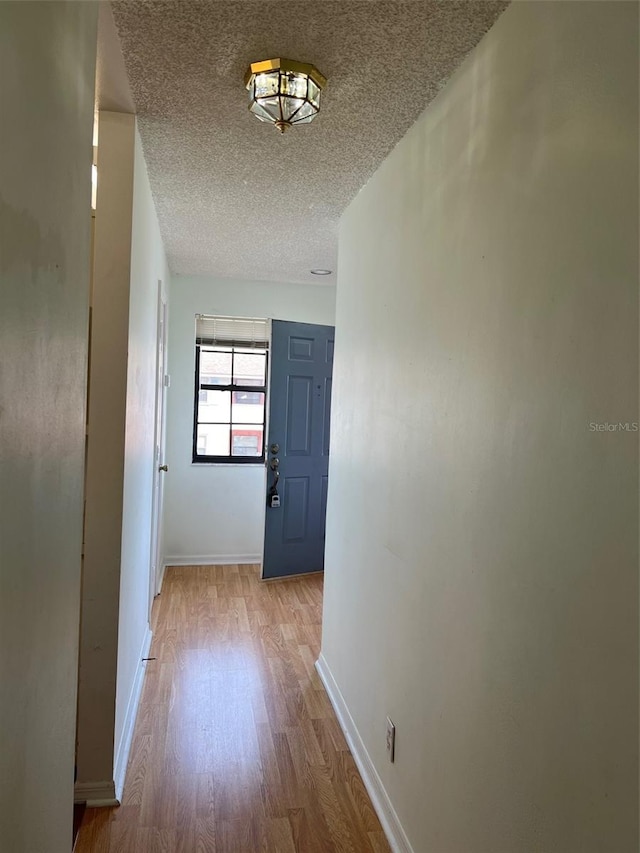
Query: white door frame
(156,565)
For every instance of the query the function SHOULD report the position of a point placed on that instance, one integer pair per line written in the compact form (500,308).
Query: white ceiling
(235,198)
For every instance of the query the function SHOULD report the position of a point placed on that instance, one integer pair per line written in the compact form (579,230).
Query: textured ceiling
(235,198)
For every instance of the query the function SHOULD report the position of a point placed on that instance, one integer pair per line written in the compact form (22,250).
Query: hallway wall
(215,513)
(45,196)
(482,530)
(148,269)
(105,456)
(129,261)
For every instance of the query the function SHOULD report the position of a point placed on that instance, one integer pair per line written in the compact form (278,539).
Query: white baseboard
(210,560)
(396,835)
(122,754)
(160,580)
(95,794)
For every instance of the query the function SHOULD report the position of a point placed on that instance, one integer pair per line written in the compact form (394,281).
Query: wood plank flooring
(236,746)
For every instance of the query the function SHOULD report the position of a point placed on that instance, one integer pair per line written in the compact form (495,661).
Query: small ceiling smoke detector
(321,272)
(284,92)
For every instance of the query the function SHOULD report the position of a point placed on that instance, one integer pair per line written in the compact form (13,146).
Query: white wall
(148,267)
(105,453)
(128,263)
(47,67)
(481,564)
(217,512)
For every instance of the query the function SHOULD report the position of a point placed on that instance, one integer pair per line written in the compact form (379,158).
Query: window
(230,390)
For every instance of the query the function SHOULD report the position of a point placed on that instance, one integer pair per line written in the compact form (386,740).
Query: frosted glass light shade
(284,92)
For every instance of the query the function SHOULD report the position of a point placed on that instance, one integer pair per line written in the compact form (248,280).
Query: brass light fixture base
(291,65)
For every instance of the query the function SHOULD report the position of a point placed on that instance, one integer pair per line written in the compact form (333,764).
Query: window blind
(232,331)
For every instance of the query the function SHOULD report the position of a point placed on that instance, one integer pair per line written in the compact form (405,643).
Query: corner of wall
(396,836)
(124,747)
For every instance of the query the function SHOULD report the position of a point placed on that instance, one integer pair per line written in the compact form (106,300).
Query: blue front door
(297,448)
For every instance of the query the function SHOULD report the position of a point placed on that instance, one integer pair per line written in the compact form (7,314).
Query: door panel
(323,508)
(300,349)
(299,409)
(299,416)
(326,421)
(296,509)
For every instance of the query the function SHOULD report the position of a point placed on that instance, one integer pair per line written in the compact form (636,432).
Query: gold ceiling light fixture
(284,92)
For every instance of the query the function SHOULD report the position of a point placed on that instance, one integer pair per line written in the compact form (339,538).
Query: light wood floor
(236,746)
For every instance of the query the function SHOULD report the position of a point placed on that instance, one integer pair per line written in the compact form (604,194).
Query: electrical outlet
(391,740)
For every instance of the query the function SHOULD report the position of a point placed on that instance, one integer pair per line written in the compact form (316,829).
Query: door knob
(274,464)
(163,468)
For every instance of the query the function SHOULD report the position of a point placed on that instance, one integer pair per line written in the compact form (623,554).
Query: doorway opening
(261,420)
